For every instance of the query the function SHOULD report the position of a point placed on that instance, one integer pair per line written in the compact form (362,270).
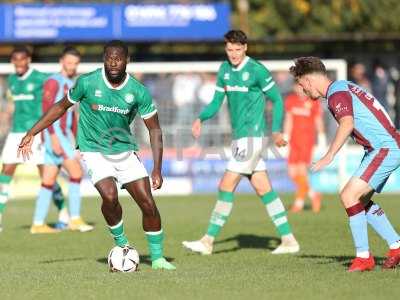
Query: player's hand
(322,163)
(156,179)
(25,147)
(196,128)
(55,144)
(278,139)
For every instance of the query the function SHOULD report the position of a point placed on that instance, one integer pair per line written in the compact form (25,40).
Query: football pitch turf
(72,265)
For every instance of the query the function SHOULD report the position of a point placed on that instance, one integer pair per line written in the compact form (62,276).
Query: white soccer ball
(124,259)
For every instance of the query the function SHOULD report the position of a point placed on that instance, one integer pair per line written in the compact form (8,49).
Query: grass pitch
(73,265)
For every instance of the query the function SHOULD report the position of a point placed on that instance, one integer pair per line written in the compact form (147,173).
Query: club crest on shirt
(30,87)
(226,76)
(97,93)
(245,76)
(129,98)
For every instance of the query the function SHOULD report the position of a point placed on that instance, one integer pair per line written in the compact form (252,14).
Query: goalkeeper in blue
(245,83)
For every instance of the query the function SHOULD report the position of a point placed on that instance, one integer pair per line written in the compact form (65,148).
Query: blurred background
(176,48)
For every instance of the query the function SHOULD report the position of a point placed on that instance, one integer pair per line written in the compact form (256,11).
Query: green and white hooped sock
(118,233)
(4,191)
(220,214)
(155,241)
(277,212)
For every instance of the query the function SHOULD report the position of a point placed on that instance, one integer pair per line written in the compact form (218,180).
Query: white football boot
(203,246)
(288,245)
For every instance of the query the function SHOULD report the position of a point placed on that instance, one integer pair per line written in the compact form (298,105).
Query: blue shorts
(50,158)
(376,167)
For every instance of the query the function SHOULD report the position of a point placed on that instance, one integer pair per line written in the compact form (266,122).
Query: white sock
(395,245)
(363,254)
(63,216)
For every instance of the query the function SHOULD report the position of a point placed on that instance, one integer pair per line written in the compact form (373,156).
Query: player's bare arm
(53,114)
(346,125)
(156,142)
(196,128)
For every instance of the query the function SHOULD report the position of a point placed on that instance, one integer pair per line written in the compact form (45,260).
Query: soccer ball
(124,259)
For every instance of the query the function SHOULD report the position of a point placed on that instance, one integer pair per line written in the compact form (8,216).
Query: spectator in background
(358,75)
(184,92)
(380,83)
(285,82)
(205,94)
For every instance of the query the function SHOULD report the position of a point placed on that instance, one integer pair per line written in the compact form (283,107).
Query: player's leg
(43,154)
(7,173)
(140,191)
(301,187)
(377,218)
(10,161)
(376,173)
(219,215)
(112,210)
(103,175)
(245,155)
(350,197)
(48,176)
(276,211)
(74,169)
(56,195)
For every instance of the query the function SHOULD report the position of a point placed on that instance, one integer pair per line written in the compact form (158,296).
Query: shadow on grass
(53,261)
(144,259)
(249,241)
(333,259)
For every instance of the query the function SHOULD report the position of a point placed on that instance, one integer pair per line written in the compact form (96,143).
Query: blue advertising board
(99,22)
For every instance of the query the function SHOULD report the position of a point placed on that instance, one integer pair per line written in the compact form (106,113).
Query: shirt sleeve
(264,78)
(146,107)
(341,104)
(269,88)
(76,93)
(213,107)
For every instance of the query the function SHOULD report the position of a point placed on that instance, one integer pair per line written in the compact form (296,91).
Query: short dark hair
(307,65)
(235,37)
(21,49)
(71,51)
(117,44)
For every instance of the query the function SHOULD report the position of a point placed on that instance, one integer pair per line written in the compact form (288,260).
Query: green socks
(117,232)
(58,197)
(277,212)
(4,190)
(155,242)
(220,214)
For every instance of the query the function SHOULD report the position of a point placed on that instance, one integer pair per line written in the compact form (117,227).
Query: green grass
(72,265)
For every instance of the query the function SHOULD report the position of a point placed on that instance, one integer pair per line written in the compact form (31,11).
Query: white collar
(26,75)
(108,84)
(242,64)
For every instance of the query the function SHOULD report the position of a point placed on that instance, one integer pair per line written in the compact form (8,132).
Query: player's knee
(149,208)
(260,189)
(225,186)
(77,174)
(110,196)
(347,197)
